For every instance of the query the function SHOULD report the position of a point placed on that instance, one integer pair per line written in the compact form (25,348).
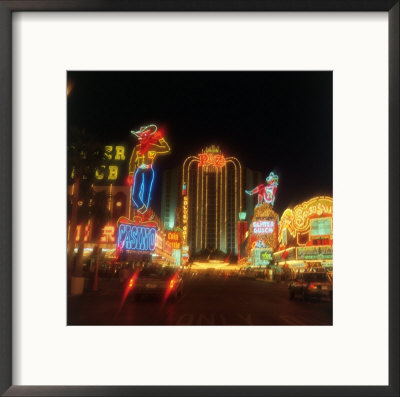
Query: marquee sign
(314,253)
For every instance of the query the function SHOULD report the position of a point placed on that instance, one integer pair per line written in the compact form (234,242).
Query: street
(205,301)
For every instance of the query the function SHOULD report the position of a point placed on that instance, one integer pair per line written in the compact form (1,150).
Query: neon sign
(111,172)
(108,234)
(185,218)
(242,216)
(159,241)
(174,239)
(207,159)
(151,144)
(314,253)
(266,255)
(136,238)
(263,227)
(262,257)
(266,193)
(315,207)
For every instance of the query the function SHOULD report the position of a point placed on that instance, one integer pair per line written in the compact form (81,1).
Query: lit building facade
(212,196)
(305,235)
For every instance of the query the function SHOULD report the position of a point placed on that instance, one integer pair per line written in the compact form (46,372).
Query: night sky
(270,121)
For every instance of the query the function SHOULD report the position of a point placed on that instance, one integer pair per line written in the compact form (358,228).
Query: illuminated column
(226,215)
(220,211)
(238,195)
(197,243)
(202,209)
(185,181)
(206,215)
(216,207)
(191,196)
(110,201)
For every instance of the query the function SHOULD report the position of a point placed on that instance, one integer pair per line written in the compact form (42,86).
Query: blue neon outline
(146,242)
(141,189)
(151,184)
(133,188)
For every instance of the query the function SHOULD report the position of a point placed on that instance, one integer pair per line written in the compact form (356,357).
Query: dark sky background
(280,121)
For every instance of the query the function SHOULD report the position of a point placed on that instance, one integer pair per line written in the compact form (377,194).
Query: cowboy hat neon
(151,129)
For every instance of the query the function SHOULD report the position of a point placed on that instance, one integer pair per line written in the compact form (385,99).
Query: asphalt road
(205,301)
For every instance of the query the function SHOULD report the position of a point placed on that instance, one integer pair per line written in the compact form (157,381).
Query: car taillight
(312,286)
(171,284)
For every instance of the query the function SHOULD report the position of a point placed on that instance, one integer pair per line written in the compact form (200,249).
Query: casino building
(305,235)
(208,194)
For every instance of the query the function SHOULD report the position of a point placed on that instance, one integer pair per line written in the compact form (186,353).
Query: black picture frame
(6,10)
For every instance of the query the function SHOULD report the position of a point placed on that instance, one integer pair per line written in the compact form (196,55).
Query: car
(159,281)
(311,285)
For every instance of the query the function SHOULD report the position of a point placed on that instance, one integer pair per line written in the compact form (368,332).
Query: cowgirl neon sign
(266,193)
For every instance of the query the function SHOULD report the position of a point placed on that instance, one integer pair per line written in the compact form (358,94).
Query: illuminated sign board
(159,241)
(185,252)
(110,172)
(185,218)
(174,239)
(116,165)
(262,257)
(314,253)
(108,234)
(263,227)
(314,207)
(207,159)
(242,216)
(321,227)
(286,255)
(136,238)
(168,248)
(266,255)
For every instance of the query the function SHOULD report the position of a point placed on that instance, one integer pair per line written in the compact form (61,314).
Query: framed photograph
(199,199)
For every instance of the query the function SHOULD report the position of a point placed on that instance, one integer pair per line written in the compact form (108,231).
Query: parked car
(160,281)
(311,284)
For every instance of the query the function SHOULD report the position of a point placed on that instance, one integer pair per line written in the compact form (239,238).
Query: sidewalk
(105,286)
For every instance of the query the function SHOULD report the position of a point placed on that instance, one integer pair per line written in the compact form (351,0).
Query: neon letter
(98,174)
(113,172)
(119,153)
